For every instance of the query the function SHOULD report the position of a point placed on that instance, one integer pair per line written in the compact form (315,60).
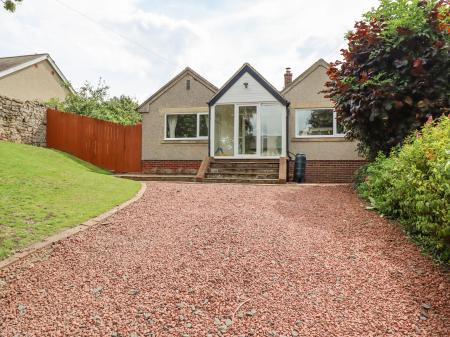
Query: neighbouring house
(245,129)
(32,78)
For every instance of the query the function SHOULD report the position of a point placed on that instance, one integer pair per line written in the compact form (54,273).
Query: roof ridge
(27,55)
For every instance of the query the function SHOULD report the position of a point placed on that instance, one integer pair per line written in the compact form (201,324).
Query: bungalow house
(245,130)
(32,78)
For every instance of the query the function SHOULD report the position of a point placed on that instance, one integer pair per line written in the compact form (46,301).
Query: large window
(187,126)
(317,123)
(224,130)
(271,130)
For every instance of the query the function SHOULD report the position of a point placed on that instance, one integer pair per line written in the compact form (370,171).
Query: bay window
(317,123)
(187,126)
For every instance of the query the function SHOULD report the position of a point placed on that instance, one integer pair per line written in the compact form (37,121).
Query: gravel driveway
(231,260)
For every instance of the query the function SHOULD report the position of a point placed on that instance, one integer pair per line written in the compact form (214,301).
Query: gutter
(209,129)
(287,140)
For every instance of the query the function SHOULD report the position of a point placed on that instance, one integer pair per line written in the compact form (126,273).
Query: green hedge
(413,186)
(95,102)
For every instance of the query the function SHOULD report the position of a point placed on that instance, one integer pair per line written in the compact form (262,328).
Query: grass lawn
(43,191)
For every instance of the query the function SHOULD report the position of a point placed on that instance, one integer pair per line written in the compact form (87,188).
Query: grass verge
(44,191)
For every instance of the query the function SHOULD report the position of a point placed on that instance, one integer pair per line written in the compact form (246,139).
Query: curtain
(172,121)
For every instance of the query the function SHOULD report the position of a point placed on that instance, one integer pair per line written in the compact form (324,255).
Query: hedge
(412,185)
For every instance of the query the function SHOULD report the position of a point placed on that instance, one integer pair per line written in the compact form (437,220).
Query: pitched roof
(12,64)
(305,74)
(14,61)
(247,68)
(174,81)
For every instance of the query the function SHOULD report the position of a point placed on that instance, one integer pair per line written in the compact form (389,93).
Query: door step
(242,175)
(156,177)
(245,171)
(240,181)
(244,165)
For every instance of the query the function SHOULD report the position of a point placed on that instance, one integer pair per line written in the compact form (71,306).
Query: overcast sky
(136,46)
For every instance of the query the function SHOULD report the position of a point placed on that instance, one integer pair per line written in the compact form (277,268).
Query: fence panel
(109,145)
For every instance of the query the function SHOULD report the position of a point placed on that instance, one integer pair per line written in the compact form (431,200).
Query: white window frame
(235,132)
(198,137)
(334,135)
(198,125)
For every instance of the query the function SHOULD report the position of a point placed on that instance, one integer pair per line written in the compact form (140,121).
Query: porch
(248,131)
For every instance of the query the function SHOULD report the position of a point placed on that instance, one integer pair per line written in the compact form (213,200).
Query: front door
(247,131)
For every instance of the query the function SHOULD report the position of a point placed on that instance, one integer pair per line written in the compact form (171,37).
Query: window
(203,121)
(317,123)
(224,130)
(271,130)
(187,126)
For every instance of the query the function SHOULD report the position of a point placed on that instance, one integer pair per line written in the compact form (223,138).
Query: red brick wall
(317,171)
(171,166)
(328,171)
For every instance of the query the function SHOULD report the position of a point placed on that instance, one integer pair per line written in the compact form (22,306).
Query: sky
(136,46)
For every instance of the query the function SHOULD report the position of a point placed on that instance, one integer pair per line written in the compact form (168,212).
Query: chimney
(287,78)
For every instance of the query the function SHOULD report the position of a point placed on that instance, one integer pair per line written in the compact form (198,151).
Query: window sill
(184,141)
(320,139)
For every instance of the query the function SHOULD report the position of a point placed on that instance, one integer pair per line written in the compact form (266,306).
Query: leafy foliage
(413,185)
(395,73)
(10,5)
(94,102)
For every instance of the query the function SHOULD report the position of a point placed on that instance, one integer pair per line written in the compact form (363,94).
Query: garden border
(71,231)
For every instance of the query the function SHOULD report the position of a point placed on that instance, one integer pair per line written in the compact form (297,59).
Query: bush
(394,73)
(94,102)
(413,186)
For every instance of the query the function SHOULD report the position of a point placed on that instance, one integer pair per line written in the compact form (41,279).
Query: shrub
(394,73)
(94,102)
(413,186)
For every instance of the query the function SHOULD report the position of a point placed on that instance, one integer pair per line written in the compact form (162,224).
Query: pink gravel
(231,260)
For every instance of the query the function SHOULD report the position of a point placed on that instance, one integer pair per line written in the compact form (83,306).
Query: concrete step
(241,181)
(272,170)
(156,177)
(243,175)
(244,165)
(254,160)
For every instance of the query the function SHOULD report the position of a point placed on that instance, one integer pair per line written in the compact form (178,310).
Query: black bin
(299,168)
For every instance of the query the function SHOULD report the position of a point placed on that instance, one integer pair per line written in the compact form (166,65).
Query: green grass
(44,191)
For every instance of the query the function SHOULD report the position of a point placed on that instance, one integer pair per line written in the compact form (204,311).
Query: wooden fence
(109,145)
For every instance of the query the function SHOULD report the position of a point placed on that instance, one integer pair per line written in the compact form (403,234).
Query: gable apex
(319,63)
(12,64)
(175,80)
(247,68)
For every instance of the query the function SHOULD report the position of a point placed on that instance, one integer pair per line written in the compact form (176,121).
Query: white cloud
(214,38)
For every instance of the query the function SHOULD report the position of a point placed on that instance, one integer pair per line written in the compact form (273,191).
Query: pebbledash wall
(22,121)
(165,156)
(329,160)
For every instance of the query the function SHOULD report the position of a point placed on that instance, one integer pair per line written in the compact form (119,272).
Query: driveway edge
(71,231)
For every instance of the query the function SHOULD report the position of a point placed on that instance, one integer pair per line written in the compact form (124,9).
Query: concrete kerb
(70,232)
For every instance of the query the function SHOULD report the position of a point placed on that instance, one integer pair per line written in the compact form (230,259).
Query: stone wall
(22,122)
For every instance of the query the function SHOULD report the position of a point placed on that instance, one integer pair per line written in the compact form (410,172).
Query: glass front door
(224,131)
(271,130)
(247,130)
